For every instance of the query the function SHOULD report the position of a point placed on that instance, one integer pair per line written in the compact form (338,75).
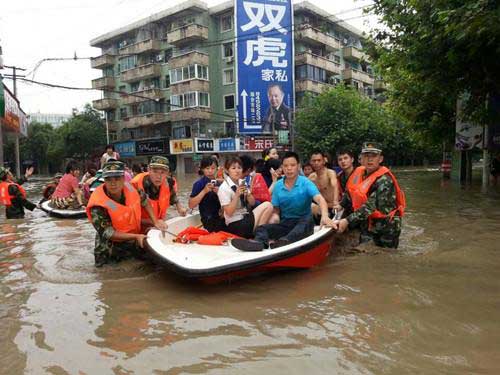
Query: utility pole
(14,85)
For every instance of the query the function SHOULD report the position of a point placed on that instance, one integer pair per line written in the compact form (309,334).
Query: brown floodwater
(433,307)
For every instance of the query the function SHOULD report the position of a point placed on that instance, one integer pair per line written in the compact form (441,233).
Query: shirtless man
(326,181)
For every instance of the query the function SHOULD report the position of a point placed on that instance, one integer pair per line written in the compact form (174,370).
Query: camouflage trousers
(383,233)
(113,252)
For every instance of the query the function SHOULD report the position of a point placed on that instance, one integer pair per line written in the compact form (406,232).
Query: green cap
(113,169)
(159,162)
(3,171)
(371,148)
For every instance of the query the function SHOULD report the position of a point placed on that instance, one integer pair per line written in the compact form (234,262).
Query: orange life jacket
(160,205)
(358,188)
(124,218)
(5,197)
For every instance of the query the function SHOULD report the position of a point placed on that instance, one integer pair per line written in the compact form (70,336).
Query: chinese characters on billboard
(264,32)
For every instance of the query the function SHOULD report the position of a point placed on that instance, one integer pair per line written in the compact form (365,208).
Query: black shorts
(215,224)
(244,227)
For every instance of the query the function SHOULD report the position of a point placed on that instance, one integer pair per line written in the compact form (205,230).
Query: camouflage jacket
(153,192)
(19,203)
(105,249)
(382,197)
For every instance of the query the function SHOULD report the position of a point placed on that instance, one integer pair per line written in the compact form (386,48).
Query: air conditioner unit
(159,58)
(229,59)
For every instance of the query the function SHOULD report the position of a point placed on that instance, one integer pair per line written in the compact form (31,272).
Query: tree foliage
(78,138)
(430,52)
(341,118)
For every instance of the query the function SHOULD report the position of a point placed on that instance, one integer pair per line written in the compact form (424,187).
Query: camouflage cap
(3,171)
(159,162)
(371,148)
(58,175)
(113,169)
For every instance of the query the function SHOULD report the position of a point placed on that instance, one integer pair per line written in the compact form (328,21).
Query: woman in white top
(109,154)
(237,202)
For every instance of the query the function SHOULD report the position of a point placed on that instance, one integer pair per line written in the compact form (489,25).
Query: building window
(226,23)
(128,62)
(188,72)
(228,76)
(227,50)
(168,55)
(181,132)
(123,112)
(189,100)
(229,128)
(310,72)
(167,82)
(203,99)
(134,87)
(228,102)
(112,136)
(122,89)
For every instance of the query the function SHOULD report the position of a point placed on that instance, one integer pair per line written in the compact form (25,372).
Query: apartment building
(170,78)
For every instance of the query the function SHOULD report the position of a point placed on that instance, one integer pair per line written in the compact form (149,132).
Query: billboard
(151,147)
(467,135)
(125,149)
(265,67)
(14,119)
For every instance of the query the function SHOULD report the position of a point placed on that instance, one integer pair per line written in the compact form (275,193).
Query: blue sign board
(265,66)
(227,144)
(125,149)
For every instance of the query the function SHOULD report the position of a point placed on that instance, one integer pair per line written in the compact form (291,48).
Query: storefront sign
(227,144)
(12,114)
(181,146)
(125,149)
(258,143)
(265,63)
(151,147)
(205,145)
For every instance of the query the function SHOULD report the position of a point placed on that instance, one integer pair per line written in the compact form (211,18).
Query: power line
(122,93)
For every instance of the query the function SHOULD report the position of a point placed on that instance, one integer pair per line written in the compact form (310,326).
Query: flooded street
(431,308)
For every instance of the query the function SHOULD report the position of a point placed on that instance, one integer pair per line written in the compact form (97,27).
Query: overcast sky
(31,30)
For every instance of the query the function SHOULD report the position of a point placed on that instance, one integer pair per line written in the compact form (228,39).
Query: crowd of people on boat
(264,203)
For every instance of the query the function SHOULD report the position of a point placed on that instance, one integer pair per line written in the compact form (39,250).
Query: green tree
(81,135)
(430,52)
(341,118)
(36,145)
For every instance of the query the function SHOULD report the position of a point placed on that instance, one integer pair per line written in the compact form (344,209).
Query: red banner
(258,143)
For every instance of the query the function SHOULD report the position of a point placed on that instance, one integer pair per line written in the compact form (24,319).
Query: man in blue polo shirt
(292,198)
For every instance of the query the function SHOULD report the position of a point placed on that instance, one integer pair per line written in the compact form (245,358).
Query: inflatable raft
(63,214)
(211,264)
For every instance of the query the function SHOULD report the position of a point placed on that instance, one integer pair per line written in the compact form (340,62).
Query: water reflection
(429,308)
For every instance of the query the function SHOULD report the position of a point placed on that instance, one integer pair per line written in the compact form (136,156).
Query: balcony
(113,126)
(103,83)
(105,104)
(196,113)
(313,36)
(144,120)
(193,57)
(141,96)
(187,34)
(191,85)
(319,61)
(148,45)
(379,85)
(141,72)
(101,62)
(312,86)
(358,75)
(354,54)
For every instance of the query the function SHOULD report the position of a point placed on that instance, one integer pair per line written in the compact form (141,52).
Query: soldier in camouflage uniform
(381,197)
(109,248)
(18,201)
